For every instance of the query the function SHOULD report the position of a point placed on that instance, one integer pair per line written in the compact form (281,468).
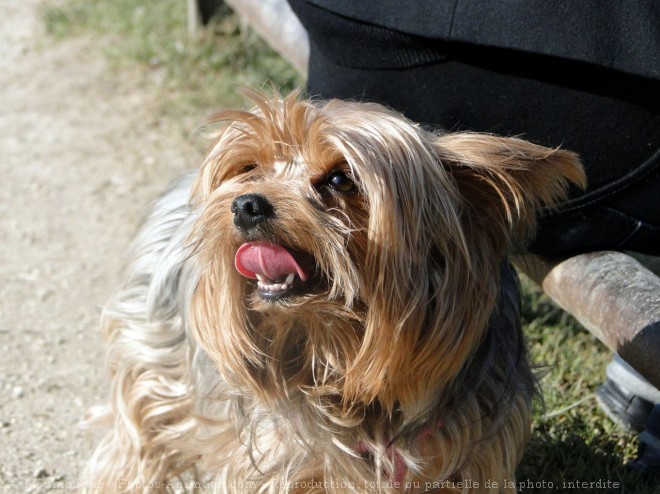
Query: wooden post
(194,20)
(278,25)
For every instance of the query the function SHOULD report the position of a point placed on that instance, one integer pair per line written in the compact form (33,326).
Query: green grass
(572,439)
(194,73)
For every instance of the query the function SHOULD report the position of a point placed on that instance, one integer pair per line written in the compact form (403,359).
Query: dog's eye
(341,182)
(247,168)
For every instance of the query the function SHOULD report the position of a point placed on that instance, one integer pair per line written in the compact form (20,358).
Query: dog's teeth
(263,284)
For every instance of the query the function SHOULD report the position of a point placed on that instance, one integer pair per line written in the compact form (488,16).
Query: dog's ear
(461,202)
(505,183)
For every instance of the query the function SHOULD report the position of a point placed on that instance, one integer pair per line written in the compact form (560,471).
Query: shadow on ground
(558,459)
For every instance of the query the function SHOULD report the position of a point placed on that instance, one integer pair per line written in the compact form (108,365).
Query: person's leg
(610,119)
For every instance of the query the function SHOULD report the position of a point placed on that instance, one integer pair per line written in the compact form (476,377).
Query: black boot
(625,396)
(648,456)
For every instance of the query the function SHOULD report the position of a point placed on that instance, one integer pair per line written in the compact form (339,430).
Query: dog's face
(348,251)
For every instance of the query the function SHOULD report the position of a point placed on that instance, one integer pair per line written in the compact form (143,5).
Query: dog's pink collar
(400,467)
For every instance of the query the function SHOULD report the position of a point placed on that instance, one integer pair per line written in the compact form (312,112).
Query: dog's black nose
(250,210)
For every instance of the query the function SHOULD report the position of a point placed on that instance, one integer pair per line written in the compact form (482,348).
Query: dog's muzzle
(279,271)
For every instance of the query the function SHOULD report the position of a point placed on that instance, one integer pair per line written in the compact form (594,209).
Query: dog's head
(346,250)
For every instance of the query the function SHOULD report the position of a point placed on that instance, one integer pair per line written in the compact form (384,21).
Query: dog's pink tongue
(270,260)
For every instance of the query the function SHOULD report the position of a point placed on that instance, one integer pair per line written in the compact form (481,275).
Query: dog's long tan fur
(400,367)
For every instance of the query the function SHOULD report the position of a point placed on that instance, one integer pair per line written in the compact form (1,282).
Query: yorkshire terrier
(327,306)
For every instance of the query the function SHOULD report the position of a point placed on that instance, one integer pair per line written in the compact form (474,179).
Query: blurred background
(100,103)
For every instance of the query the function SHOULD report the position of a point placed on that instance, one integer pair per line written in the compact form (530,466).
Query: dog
(326,305)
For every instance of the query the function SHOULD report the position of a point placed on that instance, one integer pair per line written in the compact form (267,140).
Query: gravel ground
(83,150)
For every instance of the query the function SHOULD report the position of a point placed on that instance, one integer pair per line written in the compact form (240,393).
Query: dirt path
(83,150)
